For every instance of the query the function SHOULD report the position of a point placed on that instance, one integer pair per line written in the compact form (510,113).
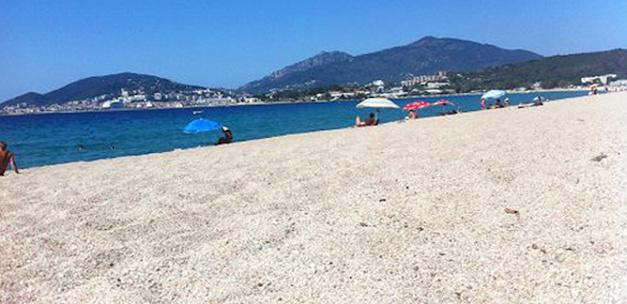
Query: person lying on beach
(538,101)
(6,157)
(502,104)
(371,121)
(412,114)
(227,138)
(451,112)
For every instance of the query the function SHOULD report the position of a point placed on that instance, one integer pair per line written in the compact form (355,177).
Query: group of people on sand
(6,158)
(372,120)
(537,101)
(498,104)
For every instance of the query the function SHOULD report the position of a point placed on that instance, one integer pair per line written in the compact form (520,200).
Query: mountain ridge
(321,58)
(424,56)
(340,68)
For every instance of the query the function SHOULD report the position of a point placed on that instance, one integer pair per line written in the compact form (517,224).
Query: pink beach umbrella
(416,105)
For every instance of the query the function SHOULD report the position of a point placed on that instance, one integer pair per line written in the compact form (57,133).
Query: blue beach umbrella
(201,125)
(493,94)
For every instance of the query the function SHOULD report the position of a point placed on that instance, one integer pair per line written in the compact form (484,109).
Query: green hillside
(101,85)
(555,71)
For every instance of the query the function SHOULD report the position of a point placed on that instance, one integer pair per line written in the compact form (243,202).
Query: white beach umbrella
(493,94)
(377,103)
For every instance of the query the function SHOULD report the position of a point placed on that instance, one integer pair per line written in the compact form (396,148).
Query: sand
(500,206)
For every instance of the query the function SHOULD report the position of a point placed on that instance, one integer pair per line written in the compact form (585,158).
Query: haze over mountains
(425,56)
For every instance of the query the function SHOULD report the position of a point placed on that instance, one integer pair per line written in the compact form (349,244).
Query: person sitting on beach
(6,157)
(412,114)
(371,121)
(227,138)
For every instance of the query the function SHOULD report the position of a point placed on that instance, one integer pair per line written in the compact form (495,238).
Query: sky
(225,43)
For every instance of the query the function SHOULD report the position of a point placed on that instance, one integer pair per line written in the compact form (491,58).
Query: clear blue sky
(47,44)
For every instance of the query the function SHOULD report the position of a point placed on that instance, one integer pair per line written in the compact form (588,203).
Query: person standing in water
(6,157)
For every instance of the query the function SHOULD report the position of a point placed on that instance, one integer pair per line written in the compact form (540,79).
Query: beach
(499,206)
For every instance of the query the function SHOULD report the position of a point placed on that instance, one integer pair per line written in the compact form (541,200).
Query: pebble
(511,211)
(599,157)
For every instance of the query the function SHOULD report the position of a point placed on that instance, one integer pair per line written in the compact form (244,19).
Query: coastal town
(413,86)
(133,99)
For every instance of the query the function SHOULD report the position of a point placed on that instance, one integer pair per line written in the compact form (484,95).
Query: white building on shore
(421,79)
(112,104)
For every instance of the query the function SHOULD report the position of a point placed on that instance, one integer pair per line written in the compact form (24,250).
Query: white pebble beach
(499,206)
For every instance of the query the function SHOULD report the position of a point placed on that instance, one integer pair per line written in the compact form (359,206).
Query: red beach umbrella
(416,105)
(442,102)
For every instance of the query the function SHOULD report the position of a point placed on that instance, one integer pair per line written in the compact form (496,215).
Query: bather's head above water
(3,146)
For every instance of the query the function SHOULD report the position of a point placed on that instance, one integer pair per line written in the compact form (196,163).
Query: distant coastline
(282,102)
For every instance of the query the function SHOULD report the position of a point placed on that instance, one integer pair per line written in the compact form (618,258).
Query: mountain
(425,56)
(110,85)
(554,71)
(315,61)
(30,98)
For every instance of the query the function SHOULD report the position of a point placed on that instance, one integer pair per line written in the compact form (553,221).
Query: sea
(46,139)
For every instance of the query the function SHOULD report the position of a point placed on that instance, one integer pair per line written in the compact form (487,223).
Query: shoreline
(280,103)
(247,140)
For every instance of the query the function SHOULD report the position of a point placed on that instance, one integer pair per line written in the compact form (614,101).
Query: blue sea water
(46,139)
